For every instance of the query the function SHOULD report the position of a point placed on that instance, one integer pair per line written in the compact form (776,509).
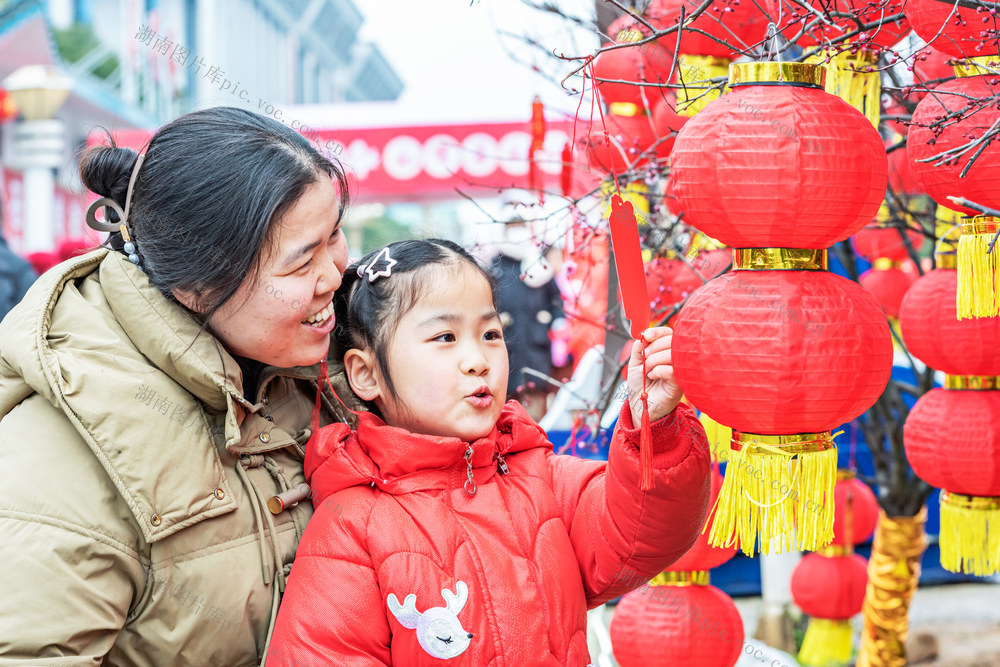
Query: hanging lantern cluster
(829,585)
(955,123)
(959,30)
(952,434)
(780,170)
(679,618)
(852,65)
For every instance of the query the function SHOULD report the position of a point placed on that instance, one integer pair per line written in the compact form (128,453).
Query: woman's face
(284,317)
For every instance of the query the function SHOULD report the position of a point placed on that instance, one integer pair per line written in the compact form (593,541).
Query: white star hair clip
(369,268)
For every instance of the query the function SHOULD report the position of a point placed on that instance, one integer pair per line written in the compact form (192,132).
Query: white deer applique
(439,631)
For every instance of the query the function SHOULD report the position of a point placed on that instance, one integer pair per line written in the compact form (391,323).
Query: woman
(155,399)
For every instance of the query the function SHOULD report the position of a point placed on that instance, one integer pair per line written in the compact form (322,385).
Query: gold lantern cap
(770,73)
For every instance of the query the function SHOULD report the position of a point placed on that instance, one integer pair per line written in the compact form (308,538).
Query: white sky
(450,56)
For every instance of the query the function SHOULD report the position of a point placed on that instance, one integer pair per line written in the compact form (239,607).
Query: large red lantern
(779,165)
(803,350)
(957,30)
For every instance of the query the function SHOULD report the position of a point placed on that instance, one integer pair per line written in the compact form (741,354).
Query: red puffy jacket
(401,566)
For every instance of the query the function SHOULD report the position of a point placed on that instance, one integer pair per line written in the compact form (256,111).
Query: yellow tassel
(778,491)
(978,270)
(827,643)
(970,534)
(846,78)
(696,73)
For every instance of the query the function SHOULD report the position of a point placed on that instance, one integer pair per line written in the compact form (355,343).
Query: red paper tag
(628,261)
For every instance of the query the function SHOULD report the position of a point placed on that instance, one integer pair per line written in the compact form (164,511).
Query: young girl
(446,529)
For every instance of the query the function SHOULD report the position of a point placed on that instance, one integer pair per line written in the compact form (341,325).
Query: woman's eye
(493,335)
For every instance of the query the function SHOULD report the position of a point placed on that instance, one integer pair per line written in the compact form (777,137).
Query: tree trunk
(893,571)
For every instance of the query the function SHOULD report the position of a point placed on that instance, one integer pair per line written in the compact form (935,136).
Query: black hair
(203,206)
(368,311)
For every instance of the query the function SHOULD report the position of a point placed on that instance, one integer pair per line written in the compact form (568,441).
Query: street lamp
(38,146)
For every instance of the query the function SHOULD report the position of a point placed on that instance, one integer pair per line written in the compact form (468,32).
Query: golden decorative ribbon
(692,578)
(742,74)
(972,382)
(779,259)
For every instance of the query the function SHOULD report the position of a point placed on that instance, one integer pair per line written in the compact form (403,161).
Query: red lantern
(852,11)
(668,282)
(856,512)
(821,353)
(8,108)
(930,68)
(667,122)
(663,626)
(888,284)
(875,242)
(934,335)
(642,66)
(830,587)
(630,137)
(972,96)
(952,28)
(742,25)
(762,156)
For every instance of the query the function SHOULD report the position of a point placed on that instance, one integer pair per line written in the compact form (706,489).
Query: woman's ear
(359,367)
(187,299)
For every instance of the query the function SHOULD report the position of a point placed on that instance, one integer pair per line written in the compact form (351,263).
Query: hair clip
(130,247)
(369,268)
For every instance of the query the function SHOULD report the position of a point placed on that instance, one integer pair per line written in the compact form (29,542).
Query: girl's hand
(661,385)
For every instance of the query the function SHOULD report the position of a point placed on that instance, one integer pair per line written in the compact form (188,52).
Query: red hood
(398,461)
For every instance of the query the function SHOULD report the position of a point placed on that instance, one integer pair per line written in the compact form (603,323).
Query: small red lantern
(630,136)
(886,242)
(762,156)
(855,511)
(667,122)
(742,25)
(8,108)
(642,66)
(957,30)
(844,16)
(830,587)
(669,282)
(931,68)
(888,283)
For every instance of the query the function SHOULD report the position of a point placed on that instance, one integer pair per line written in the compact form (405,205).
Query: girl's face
(284,317)
(447,360)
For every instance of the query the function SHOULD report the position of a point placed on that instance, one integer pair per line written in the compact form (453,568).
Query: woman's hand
(661,385)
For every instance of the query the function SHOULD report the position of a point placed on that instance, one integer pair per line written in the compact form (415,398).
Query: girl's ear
(187,298)
(359,366)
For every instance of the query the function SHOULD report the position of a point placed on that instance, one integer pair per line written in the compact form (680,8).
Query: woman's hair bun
(105,170)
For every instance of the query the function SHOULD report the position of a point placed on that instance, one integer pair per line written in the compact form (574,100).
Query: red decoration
(831,587)
(537,143)
(8,108)
(664,626)
(742,25)
(763,156)
(863,513)
(667,122)
(805,350)
(865,11)
(875,242)
(973,96)
(956,30)
(669,282)
(931,65)
(630,137)
(642,66)
(888,286)
(953,440)
(934,335)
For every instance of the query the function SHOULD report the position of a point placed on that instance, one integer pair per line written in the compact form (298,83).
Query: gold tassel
(893,572)
(978,270)
(778,490)
(696,73)
(970,534)
(827,643)
(847,79)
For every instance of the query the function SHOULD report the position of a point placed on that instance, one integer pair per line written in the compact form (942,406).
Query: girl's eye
(493,334)
(445,338)
(336,233)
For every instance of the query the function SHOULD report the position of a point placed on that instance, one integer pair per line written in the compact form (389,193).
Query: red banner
(69,211)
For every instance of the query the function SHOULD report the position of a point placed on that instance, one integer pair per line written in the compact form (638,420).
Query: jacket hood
(137,381)
(399,461)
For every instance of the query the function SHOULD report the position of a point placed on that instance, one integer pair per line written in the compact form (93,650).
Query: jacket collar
(399,461)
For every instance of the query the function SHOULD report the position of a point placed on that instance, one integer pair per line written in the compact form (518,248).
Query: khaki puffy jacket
(134,478)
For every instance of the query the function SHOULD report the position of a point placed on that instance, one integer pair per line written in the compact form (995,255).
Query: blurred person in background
(530,309)
(16,276)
